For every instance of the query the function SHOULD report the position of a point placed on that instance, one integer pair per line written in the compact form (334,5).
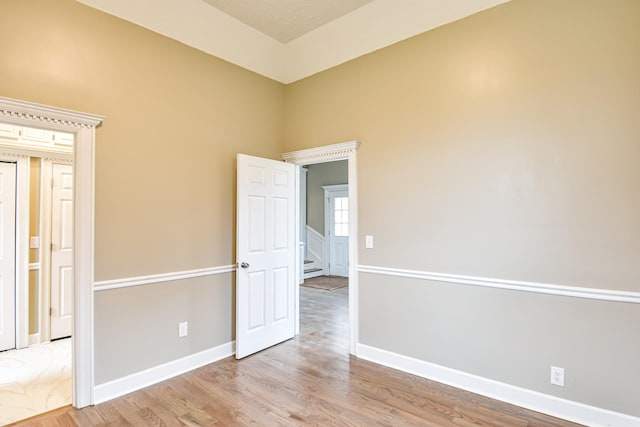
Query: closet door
(62,251)
(7,256)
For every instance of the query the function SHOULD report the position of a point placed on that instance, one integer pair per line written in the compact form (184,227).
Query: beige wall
(504,145)
(34,230)
(320,174)
(165,162)
(146,320)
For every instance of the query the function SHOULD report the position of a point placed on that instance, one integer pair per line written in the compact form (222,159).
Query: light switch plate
(368,242)
(34,242)
(183,329)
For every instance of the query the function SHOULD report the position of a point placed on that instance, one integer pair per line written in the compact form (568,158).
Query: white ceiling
(285,20)
(354,28)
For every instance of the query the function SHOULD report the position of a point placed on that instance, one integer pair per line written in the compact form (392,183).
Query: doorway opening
(36,277)
(330,153)
(82,126)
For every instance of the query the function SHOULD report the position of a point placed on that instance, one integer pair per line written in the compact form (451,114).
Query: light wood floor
(308,381)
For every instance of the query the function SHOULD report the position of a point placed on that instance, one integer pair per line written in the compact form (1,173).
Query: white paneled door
(265,242)
(7,255)
(337,228)
(62,251)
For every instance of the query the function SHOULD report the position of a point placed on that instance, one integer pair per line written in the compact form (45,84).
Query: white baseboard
(34,339)
(133,382)
(546,404)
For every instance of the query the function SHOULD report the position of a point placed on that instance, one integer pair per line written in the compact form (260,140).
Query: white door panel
(266,247)
(7,255)
(61,251)
(339,262)
(338,233)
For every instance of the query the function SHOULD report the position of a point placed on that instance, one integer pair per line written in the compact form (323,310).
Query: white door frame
(22,246)
(329,153)
(16,329)
(83,126)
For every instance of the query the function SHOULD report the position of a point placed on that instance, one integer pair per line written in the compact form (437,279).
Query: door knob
(244,265)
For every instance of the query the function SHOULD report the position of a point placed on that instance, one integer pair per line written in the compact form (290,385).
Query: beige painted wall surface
(165,161)
(175,119)
(509,336)
(34,230)
(510,139)
(329,173)
(503,145)
(141,323)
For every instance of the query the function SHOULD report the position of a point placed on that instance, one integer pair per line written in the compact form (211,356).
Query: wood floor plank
(310,380)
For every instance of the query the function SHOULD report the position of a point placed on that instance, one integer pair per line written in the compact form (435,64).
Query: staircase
(311,269)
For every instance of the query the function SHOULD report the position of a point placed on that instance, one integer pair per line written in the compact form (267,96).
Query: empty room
(490,150)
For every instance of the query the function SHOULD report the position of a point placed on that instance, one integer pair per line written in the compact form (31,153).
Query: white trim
(22,252)
(130,383)
(315,246)
(160,278)
(514,285)
(300,256)
(34,339)
(353,253)
(34,152)
(536,401)
(34,266)
(43,116)
(327,153)
(373,26)
(46,177)
(83,126)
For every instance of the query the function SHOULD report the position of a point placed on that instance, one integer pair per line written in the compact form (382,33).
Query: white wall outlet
(368,242)
(557,376)
(34,242)
(183,329)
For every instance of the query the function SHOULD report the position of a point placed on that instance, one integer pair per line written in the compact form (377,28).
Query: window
(341,216)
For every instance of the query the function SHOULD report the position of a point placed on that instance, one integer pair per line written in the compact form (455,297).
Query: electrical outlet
(183,329)
(557,376)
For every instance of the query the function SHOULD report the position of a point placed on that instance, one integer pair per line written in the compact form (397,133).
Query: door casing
(83,126)
(328,153)
(8,181)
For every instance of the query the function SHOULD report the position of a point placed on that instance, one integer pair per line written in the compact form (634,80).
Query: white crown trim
(59,159)
(325,153)
(12,153)
(28,112)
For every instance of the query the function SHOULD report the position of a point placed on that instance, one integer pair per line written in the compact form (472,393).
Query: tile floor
(34,380)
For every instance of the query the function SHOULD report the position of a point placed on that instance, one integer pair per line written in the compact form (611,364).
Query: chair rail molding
(611,295)
(105,285)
